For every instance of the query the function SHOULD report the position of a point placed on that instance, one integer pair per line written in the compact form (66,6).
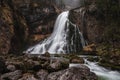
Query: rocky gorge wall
(99,23)
(88,20)
(24,22)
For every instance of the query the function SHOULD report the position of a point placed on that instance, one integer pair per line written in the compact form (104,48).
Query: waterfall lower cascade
(101,72)
(64,39)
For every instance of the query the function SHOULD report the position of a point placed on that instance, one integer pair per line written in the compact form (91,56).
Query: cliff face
(6,29)
(14,30)
(98,21)
(24,22)
(86,20)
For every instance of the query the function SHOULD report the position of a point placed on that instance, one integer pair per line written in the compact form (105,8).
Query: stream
(101,72)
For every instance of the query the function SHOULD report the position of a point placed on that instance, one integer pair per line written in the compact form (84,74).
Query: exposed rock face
(88,22)
(23,22)
(14,30)
(73,73)
(6,29)
(93,28)
(40,17)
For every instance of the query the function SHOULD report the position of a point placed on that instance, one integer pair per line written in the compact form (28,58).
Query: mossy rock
(58,64)
(74,58)
(94,59)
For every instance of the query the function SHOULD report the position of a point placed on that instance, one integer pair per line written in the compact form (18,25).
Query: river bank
(43,68)
(49,67)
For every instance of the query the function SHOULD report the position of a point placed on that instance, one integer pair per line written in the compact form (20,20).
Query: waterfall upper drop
(63,39)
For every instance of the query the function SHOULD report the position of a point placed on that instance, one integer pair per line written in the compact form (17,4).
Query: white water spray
(59,41)
(103,73)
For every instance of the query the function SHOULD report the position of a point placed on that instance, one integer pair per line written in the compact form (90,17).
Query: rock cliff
(23,22)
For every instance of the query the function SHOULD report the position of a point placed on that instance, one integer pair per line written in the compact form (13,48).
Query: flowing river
(101,72)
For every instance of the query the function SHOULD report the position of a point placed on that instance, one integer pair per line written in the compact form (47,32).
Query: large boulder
(58,64)
(12,75)
(73,58)
(76,59)
(28,76)
(73,73)
(11,67)
(42,74)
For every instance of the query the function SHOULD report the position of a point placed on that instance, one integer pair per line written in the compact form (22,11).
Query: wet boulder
(12,75)
(74,58)
(42,74)
(58,64)
(28,76)
(11,67)
(73,73)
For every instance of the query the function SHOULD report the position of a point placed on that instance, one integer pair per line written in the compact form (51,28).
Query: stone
(12,38)
(90,49)
(11,67)
(58,64)
(77,60)
(32,65)
(47,54)
(74,58)
(28,76)
(12,75)
(93,59)
(42,74)
(73,73)
(92,8)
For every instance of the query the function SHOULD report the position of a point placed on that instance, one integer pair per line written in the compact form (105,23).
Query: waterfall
(64,39)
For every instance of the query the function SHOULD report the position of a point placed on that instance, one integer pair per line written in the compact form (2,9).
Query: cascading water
(62,40)
(103,73)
